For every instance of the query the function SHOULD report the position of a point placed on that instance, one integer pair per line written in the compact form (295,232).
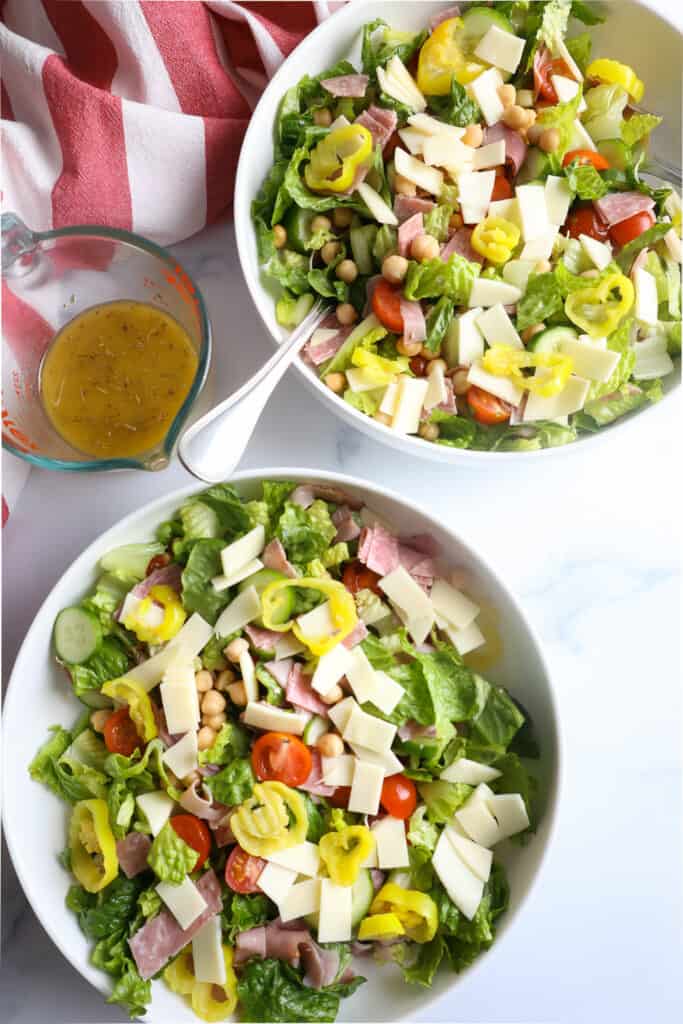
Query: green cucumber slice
(284,603)
(315,728)
(362,895)
(475,24)
(551,339)
(297,223)
(78,634)
(616,152)
(362,240)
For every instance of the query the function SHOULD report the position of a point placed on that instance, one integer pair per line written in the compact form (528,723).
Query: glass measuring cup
(50,277)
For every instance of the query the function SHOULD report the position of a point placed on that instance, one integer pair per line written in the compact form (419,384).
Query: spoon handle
(212,447)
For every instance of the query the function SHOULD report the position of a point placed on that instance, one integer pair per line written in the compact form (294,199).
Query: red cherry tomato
(586,156)
(627,230)
(502,189)
(340,797)
(543,75)
(486,408)
(399,796)
(386,305)
(120,734)
(390,145)
(281,757)
(195,833)
(357,577)
(242,871)
(583,220)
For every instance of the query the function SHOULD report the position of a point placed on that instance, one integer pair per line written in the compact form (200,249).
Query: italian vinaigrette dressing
(115,376)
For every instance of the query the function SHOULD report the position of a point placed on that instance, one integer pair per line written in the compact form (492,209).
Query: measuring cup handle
(17,239)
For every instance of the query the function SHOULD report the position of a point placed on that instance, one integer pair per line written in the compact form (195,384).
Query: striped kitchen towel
(131,113)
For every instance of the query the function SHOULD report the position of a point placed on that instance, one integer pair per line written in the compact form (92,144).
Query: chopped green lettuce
(275,694)
(580,48)
(638,126)
(198,593)
(110,661)
(541,300)
(232,741)
(422,832)
(419,961)
(305,532)
(436,222)
(499,720)
(242,912)
(381,42)
(129,563)
(443,799)
(560,116)
(585,181)
(438,321)
(234,783)
(43,767)
(456,107)
(629,252)
(434,278)
(170,857)
(618,341)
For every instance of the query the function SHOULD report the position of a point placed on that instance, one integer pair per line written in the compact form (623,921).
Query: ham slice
(460,242)
(202,806)
(408,231)
(622,205)
(262,639)
(407,206)
(347,85)
(319,354)
(167,738)
(445,15)
(356,636)
(515,146)
(223,836)
(314,783)
(411,730)
(132,852)
(420,567)
(337,495)
(280,670)
(414,323)
(299,692)
(302,495)
(380,123)
(283,940)
(291,942)
(423,542)
(347,527)
(274,557)
(320,965)
(250,943)
(161,937)
(377,877)
(378,549)
(167,576)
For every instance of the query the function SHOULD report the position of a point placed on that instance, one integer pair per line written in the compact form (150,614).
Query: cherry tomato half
(502,189)
(586,156)
(399,796)
(195,833)
(543,78)
(120,734)
(242,871)
(357,577)
(281,757)
(386,305)
(627,230)
(340,797)
(486,408)
(583,220)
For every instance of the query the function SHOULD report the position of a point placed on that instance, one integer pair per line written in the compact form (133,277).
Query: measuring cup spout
(17,240)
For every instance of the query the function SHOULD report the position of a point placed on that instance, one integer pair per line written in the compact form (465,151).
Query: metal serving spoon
(213,446)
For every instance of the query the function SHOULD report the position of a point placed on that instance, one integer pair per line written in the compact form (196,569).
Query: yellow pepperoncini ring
(261,825)
(380,926)
(155,632)
(495,238)
(342,611)
(92,845)
(139,705)
(343,852)
(615,73)
(442,57)
(179,975)
(205,1001)
(337,157)
(506,361)
(598,310)
(416,911)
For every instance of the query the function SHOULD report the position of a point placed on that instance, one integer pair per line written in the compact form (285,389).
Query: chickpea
(330,251)
(333,696)
(549,140)
(279,236)
(459,380)
(436,364)
(330,745)
(382,418)
(342,217)
(428,431)
(394,268)
(98,719)
(238,694)
(213,702)
(235,649)
(403,187)
(321,223)
(347,271)
(533,134)
(473,135)
(507,95)
(531,332)
(530,118)
(203,681)
(225,677)
(514,117)
(455,222)
(323,117)
(408,348)
(424,247)
(542,267)
(346,314)
(206,737)
(336,382)
(215,722)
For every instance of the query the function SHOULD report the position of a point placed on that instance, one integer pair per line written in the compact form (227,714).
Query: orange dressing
(115,376)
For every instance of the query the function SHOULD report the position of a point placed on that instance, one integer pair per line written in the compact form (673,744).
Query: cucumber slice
(362,241)
(616,151)
(315,728)
(283,605)
(536,165)
(550,340)
(95,700)
(475,24)
(78,635)
(362,895)
(297,223)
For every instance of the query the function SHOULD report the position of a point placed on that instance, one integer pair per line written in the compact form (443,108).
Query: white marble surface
(590,544)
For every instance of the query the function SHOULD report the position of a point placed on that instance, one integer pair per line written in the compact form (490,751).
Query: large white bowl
(39,696)
(633,33)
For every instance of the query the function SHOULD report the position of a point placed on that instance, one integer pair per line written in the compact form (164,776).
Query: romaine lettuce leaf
(638,126)
(443,799)
(580,48)
(305,533)
(434,278)
(110,661)
(170,857)
(198,593)
(456,108)
(367,402)
(588,13)
(43,767)
(422,832)
(438,320)
(500,719)
(609,407)
(272,990)
(129,562)
(242,912)
(585,181)
(476,935)
(381,42)
(629,252)
(560,116)
(436,221)
(275,694)
(121,807)
(232,741)
(618,341)
(234,783)
(419,961)
(541,300)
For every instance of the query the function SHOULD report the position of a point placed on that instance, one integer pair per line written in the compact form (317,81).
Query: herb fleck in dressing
(115,376)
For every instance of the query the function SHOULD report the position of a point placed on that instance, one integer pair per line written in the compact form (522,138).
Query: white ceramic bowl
(39,696)
(634,33)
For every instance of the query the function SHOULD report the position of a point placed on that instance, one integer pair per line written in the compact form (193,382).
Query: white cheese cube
(580,138)
(181,758)
(410,601)
(276,882)
(453,605)
(501,387)
(392,849)
(318,622)
(248,670)
(501,49)
(467,639)
(396,77)
(532,211)
(387,693)
(412,139)
(287,646)
(509,810)
(498,329)
(560,50)
(387,759)
(338,771)
(330,669)
(156,807)
(461,884)
(273,719)
(464,340)
(411,395)
(508,209)
(518,272)
(571,399)
(185,645)
(477,858)
(476,818)
(525,98)
(185,901)
(566,89)
(429,125)
(302,899)
(469,772)
(360,674)
(341,712)
(437,391)
(540,248)
(484,90)
(428,178)
(244,550)
(376,205)
(181,707)
(491,155)
(366,787)
(591,362)
(445,150)
(597,252)
(558,199)
(180,672)
(390,398)
(304,859)
(369,731)
(334,923)
(646,296)
(475,189)
(239,613)
(207,953)
(224,582)
(486,292)
(672,240)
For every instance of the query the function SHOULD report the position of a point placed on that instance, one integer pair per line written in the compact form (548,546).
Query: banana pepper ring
(342,611)
(174,616)
(205,997)
(505,361)
(139,705)
(337,157)
(273,818)
(616,73)
(92,845)
(380,926)
(598,310)
(416,911)
(343,852)
(495,238)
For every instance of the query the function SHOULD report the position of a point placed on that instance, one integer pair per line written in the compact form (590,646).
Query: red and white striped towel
(131,113)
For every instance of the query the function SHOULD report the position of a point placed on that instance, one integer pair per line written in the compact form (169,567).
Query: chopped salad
(287,764)
(473,203)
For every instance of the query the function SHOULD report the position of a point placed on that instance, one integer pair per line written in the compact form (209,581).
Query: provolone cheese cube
(244,550)
(501,387)
(360,674)
(274,719)
(508,209)
(566,89)
(334,923)
(376,205)
(580,138)
(318,622)
(189,640)
(518,272)
(532,211)
(207,953)
(437,392)
(477,858)
(180,672)
(411,395)
(597,252)
(388,761)
(407,596)
(156,807)
(330,669)
(540,248)
(510,812)
(429,125)
(304,859)
(302,899)
(340,713)
(491,155)
(185,901)
(239,613)
(461,884)
(338,771)
(416,171)
(589,361)
(276,882)
(476,818)
(484,89)
(287,646)
(412,139)
(464,340)
(452,604)
(386,693)
(224,582)
(501,49)
(467,639)
(488,292)
(181,758)
(475,189)
(366,787)
(571,399)
(392,849)
(369,731)
(558,199)
(469,772)
(646,296)
(390,398)
(498,329)
(181,707)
